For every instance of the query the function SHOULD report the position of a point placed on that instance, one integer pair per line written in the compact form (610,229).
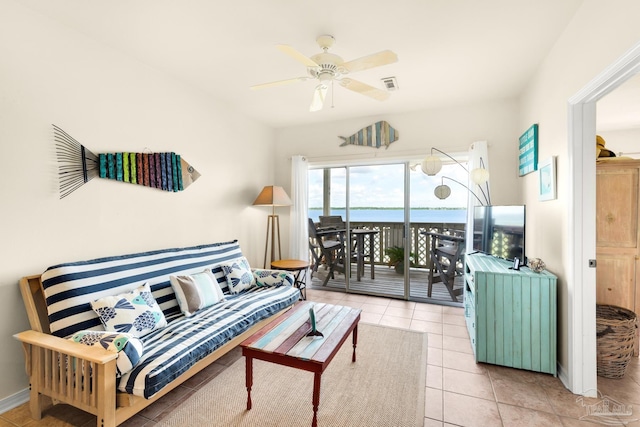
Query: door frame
(580,376)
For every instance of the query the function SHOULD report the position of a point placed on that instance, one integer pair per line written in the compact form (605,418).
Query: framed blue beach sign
(528,151)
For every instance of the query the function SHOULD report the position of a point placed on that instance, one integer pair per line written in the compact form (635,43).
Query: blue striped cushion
(170,351)
(69,288)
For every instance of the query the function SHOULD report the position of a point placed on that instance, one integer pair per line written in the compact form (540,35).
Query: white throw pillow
(214,280)
(195,291)
(135,312)
(239,275)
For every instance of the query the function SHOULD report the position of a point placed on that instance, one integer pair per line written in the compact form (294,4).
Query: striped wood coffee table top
(287,336)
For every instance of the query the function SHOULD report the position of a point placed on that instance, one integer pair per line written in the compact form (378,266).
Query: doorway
(580,376)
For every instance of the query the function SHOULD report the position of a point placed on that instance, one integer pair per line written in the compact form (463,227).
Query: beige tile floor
(462,393)
(459,392)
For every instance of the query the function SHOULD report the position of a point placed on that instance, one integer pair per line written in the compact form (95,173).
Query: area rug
(384,387)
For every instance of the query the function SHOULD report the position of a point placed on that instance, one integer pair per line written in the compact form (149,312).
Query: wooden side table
(298,267)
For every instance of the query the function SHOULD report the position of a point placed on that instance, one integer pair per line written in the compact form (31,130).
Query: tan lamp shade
(272,195)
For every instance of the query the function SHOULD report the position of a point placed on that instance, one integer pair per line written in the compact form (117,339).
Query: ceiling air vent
(390,83)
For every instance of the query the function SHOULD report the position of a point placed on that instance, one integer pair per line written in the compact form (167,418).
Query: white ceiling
(451,52)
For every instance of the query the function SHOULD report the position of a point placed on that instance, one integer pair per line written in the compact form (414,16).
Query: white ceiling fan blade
(365,89)
(375,60)
(280,82)
(317,102)
(296,55)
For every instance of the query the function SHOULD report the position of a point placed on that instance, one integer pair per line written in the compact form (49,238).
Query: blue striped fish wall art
(376,135)
(77,166)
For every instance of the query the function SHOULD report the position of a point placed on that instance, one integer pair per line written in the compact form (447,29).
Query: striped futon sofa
(58,304)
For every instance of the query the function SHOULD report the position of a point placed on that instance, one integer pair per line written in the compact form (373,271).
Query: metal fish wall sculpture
(77,166)
(376,135)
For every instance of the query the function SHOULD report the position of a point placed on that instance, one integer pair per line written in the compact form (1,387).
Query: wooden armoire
(618,233)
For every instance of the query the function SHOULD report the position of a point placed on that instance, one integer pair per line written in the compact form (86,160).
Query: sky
(382,186)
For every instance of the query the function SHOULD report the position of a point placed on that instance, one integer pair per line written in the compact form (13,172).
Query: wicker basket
(616,330)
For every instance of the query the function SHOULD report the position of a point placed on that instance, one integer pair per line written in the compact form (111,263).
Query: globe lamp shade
(479,176)
(431,165)
(442,191)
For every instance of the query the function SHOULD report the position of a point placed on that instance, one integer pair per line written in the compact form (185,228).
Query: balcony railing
(390,234)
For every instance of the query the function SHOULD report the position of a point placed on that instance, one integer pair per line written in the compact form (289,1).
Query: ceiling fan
(328,68)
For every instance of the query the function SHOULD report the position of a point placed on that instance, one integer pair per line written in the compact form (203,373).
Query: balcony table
(358,236)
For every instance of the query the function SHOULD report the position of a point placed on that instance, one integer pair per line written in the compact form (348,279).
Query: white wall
(599,34)
(448,129)
(108,102)
(625,141)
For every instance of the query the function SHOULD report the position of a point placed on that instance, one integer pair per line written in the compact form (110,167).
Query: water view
(445,215)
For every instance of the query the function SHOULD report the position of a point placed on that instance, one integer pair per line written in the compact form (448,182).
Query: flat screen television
(500,231)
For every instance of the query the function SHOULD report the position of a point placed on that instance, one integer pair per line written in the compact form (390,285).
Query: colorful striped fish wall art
(375,135)
(77,166)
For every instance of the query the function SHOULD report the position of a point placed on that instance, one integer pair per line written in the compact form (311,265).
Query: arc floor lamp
(273,196)
(431,165)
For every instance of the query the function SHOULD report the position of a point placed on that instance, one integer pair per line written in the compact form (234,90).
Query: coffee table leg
(355,342)
(249,379)
(316,397)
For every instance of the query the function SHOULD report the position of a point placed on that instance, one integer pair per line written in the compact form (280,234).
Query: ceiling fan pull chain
(332,81)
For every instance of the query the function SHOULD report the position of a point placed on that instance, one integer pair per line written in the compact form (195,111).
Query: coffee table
(285,342)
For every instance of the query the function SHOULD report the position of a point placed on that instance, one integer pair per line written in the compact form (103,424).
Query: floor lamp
(431,165)
(273,196)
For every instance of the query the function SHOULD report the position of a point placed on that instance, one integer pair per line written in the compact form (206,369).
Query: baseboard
(14,400)
(562,376)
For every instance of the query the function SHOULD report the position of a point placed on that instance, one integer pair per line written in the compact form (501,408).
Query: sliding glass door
(436,237)
(377,224)
(387,221)
(328,234)
(361,211)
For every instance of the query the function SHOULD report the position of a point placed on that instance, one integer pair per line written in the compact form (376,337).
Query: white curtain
(478,157)
(298,224)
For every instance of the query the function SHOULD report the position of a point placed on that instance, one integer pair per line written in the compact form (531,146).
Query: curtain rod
(397,155)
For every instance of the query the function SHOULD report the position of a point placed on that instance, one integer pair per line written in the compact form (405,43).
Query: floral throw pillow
(239,275)
(128,347)
(135,312)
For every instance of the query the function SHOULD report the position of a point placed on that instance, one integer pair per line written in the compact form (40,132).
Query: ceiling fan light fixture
(319,94)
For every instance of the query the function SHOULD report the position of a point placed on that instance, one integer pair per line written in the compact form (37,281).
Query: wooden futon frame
(91,385)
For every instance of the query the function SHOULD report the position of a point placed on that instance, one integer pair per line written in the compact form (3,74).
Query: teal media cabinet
(510,314)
